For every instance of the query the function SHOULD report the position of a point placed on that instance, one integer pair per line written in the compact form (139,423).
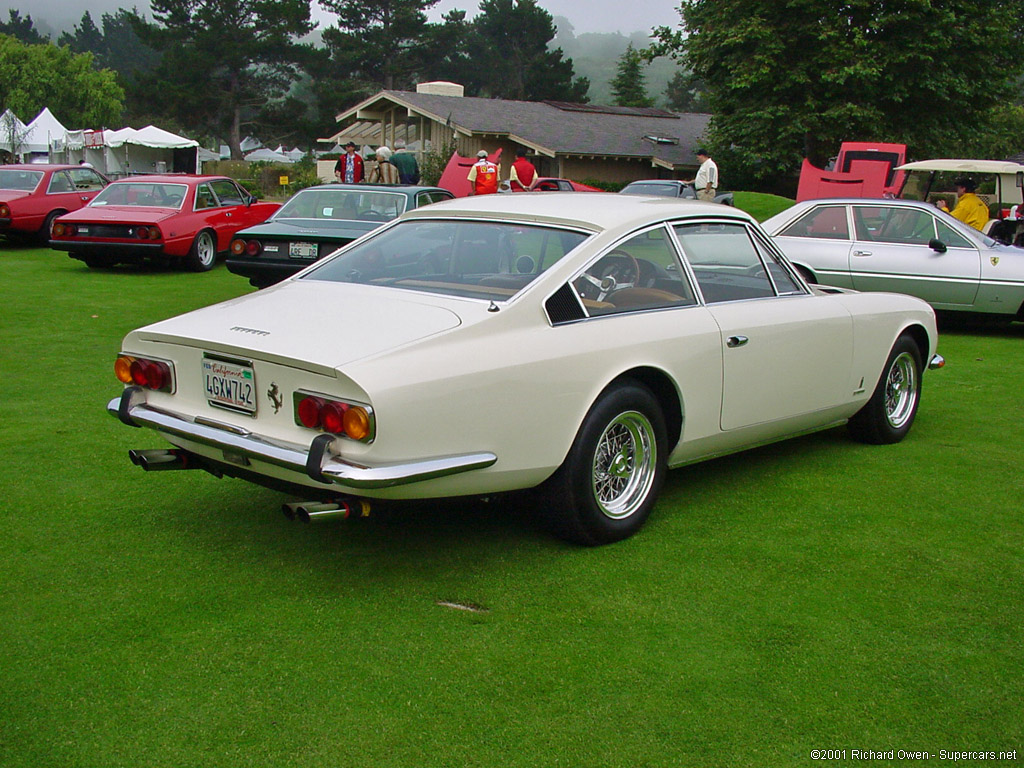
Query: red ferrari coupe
(176,219)
(33,196)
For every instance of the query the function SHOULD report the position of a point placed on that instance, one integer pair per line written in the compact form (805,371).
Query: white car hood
(309,324)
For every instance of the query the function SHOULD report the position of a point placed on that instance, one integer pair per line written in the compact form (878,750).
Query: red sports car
(33,196)
(176,219)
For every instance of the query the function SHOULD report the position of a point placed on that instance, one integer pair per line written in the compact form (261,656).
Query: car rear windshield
(142,194)
(652,189)
(22,181)
(343,204)
(473,259)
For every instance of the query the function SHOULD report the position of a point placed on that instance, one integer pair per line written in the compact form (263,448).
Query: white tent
(12,133)
(268,155)
(129,151)
(42,132)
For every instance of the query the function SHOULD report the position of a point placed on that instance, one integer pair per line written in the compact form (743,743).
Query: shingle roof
(563,129)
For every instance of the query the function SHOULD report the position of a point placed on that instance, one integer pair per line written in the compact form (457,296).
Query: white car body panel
(449,376)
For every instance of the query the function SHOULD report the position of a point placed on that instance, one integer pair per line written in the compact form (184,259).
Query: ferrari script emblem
(994,260)
(275,396)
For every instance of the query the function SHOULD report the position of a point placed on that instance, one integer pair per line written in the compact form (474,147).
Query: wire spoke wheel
(901,390)
(624,465)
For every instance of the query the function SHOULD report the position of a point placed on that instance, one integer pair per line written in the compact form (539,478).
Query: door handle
(862,253)
(736,341)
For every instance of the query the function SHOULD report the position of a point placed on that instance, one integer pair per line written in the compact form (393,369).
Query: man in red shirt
(523,175)
(349,168)
(483,176)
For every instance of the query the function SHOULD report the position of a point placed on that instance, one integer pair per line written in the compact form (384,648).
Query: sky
(585,15)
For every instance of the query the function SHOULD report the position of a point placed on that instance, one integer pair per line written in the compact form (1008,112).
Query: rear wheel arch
(664,390)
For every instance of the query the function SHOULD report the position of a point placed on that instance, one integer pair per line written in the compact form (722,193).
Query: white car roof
(589,210)
(963,166)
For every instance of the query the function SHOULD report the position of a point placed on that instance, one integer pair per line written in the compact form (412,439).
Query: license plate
(302,250)
(229,385)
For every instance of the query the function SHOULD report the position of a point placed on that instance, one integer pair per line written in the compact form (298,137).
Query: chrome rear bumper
(316,460)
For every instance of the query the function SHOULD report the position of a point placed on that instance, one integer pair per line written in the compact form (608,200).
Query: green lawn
(816,594)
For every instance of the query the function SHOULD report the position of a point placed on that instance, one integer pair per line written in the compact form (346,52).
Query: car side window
(826,221)
(227,193)
(86,179)
(643,272)
(725,261)
(60,182)
(205,198)
(950,237)
(905,226)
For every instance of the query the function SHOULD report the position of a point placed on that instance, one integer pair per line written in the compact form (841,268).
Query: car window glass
(204,197)
(950,237)
(880,224)
(17,179)
(642,273)
(86,179)
(826,221)
(227,193)
(782,277)
(725,261)
(486,260)
(60,182)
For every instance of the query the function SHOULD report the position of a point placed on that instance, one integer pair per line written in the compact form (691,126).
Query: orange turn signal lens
(357,423)
(123,369)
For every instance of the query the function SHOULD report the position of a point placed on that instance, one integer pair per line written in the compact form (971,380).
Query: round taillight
(70,230)
(253,248)
(333,417)
(138,372)
(357,423)
(5,212)
(309,411)
(142,233)
(237,247)
(58,229)
(158,375)
(122,369)
(154,233)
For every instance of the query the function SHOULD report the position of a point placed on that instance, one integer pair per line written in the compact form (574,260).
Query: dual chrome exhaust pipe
(318,511)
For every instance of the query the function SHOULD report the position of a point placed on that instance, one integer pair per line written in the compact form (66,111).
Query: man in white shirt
(706,180)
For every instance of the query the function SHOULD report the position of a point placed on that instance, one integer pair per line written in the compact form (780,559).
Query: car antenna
(493,307)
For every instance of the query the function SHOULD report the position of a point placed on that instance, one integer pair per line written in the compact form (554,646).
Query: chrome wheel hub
(901,390)
(624,465)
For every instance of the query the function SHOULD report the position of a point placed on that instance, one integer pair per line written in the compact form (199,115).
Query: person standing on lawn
(706,180)
(349,168)
(483,176)
(523,175)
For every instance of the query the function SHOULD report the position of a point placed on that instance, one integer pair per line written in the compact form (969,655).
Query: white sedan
(580,343)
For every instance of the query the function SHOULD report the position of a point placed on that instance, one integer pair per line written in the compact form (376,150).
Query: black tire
(202,256)
(889,414)
(606,487)
(44,232)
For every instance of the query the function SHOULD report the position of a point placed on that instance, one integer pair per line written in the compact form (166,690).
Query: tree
(685,93)
(37,76)
(511,51)
(629,85)
(380,42)
(21,29)
(792,78)
(224,61)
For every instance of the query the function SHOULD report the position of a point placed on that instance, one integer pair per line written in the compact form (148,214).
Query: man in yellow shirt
(970,208)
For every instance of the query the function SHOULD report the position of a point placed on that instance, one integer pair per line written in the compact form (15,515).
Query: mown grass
(814,594)
(761,205)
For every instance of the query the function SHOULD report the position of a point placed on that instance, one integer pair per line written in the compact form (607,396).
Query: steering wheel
(613,272)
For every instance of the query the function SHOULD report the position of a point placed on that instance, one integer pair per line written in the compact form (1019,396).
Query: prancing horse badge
(275,396)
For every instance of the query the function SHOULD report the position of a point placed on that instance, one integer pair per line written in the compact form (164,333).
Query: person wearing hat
(349,167)
(970,208)
(706,180)
(483,176)
(523,175)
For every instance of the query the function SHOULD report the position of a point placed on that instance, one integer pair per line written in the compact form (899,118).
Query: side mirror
(937,245)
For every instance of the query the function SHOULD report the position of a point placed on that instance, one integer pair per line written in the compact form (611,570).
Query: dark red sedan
(177,219)
(33,196)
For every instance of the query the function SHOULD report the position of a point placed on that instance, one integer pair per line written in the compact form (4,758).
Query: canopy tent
(12,133)
(128,151)
(42,131)
(268,155)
